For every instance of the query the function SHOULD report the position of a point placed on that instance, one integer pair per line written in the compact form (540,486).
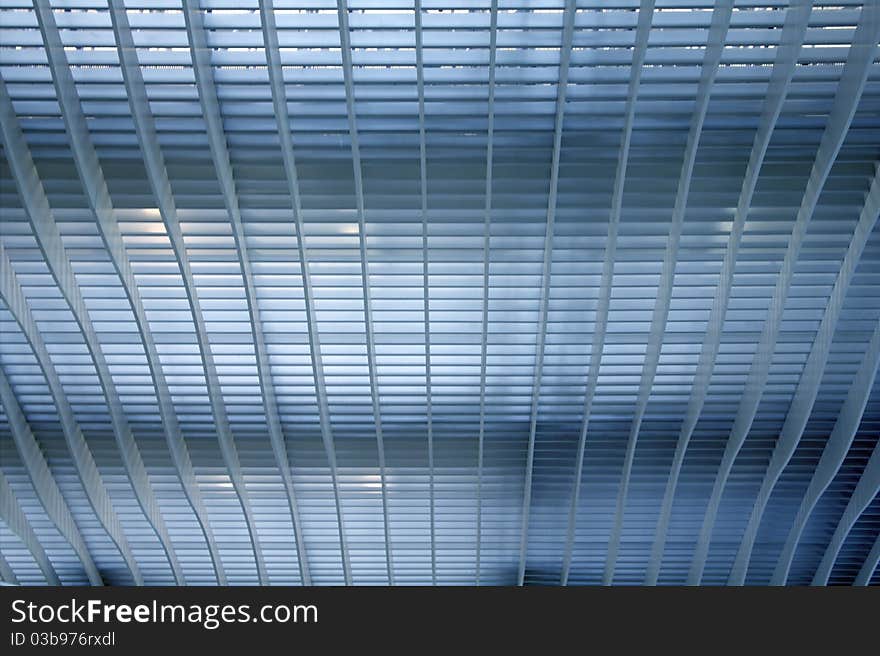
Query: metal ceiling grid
(439,291)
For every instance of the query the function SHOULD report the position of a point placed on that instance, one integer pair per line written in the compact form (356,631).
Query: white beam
(162,189)
(345,46)
(423,175)
(93,180)
(561,90)
(849,91)
(867,488)
(811,378)
(7,576)
(13,515)
(487,224)
(793,31)
(282,116)
(210,105)
(834,453)
(640,49)
(870,564)
(81,455)
(712,58)
(43,481)
(97,194)
(48,238)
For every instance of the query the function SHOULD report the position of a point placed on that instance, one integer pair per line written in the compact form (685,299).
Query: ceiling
(489,292)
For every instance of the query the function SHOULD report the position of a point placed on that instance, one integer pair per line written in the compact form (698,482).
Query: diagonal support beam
(207,92)
(48,238)
(282,116)
(43,481)
(849,91)
(159,180)
(423,170)
(7,576)
(561,90)
(487,224)
(97,194)
(834,453)
(716,38)
(793,31)
(811,378)
(83,461)
(870,565)
(643,30)
(867,488)
(345,46)
(13,515)
(161,187)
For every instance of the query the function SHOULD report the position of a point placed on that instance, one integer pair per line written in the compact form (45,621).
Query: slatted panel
(403,174)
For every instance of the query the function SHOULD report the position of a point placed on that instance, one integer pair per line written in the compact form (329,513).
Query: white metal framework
(439,292)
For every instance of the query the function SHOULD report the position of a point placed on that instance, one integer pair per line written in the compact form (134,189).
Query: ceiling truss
(495,292)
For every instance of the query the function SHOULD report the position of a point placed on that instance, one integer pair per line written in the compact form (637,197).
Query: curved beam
(793,31)
(716,38)
(48,238)
(345,41)
(487,224)
(12,514)
(44,483)
(640,49)
(154,165)
(7,576)
(97,194)
(867,488)
(282,116)
(207,93)
(870,564)
(834,453)
(561,91)
(81,455)
(811,378)
(849,91)
(168,210)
